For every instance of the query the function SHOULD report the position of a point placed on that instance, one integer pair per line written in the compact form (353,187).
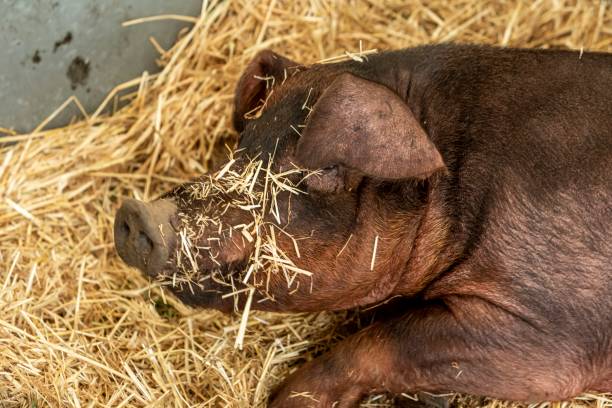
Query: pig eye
(327,180)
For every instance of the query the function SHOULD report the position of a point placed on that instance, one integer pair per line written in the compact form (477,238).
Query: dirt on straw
(79,328)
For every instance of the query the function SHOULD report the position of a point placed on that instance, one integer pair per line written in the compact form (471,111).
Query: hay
(79,328)
(251,191)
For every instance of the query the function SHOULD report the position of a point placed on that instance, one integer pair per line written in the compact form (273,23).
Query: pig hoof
(286,396)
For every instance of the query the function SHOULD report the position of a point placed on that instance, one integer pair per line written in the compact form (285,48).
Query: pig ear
(365,126)
(252,89)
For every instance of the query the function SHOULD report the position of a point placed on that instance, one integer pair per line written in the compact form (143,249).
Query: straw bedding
(79,328)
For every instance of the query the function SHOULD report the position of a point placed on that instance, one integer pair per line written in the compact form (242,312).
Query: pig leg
(461,344)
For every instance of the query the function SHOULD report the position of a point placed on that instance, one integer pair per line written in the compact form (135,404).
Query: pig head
(357,161)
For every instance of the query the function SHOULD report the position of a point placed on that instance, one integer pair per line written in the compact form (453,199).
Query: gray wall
(52,49)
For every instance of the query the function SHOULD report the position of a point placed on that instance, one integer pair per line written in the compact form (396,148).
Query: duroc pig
(476,182)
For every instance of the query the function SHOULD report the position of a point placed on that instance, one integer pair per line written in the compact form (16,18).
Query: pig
(474,182)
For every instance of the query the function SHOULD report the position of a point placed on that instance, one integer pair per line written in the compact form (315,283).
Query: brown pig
(474,181)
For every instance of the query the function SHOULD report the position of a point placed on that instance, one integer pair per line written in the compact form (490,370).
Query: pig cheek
(235,250)
(319,258)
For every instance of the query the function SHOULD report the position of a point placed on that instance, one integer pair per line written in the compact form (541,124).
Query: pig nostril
(125,229)
(145,245)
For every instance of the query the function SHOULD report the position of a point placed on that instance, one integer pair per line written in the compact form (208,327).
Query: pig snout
(144,234)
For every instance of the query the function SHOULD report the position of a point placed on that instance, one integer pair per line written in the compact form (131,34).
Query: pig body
(484,176)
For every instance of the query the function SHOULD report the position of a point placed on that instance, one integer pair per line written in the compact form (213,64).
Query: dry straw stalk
(77,327)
